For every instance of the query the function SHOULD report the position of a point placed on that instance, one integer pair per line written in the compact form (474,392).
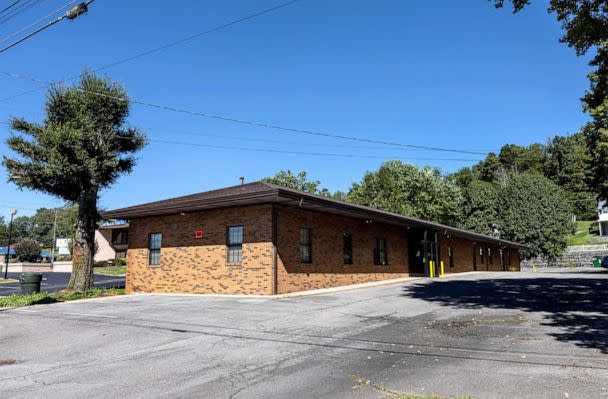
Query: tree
(42,223)
(403,188)
(585,25)
(27,250)
(533,211)
(480,209)
(82,146)
(285,178)
(3,232)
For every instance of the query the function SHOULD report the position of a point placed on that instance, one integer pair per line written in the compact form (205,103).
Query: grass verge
(61,296)
(583,235)
(8,280)
(111,270)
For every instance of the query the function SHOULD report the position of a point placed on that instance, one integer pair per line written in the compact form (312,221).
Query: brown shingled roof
(263,192)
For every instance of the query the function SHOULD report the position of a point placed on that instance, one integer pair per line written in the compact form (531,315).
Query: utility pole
(8,244)
(54,240)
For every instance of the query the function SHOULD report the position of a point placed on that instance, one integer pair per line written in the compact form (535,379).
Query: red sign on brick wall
(199,234)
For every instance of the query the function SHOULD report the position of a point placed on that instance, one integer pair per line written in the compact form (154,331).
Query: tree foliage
(403,188)
(480,209)
(300,182)
(28,250)
(83,145)
(534,211)
(585,26)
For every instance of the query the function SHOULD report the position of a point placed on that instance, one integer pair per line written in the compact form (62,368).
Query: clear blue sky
(437,73)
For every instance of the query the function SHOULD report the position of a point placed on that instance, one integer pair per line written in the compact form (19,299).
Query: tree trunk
(83,251)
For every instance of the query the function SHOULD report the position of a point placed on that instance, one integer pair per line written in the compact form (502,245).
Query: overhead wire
(38,21)
(19,10)
(251,123)
(164,46)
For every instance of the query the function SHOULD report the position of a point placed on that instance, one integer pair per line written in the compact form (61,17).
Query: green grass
(61,296)
(111,270)
(582,236)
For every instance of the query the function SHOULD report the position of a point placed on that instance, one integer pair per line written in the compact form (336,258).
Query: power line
(70,14)
(20,10)
(9,7)
(322,154)
(250,123)
(38,21)
(165,46)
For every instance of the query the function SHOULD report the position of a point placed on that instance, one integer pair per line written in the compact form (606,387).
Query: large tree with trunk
(82,146)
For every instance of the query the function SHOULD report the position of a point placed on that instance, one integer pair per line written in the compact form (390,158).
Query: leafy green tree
(403,188)
(82,146)
(285,178)
(464,177)
(534,212)
(3,232)
(568,162)
(42,223)
(28,250)
(480,209)
(22,228)
(585,26)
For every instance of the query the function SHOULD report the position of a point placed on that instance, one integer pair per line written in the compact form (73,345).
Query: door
(416,250)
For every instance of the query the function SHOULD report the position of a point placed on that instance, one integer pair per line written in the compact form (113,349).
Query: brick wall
(462,250)
(190,265)
(327,268)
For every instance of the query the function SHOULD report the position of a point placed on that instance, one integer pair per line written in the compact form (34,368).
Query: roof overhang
(273,194)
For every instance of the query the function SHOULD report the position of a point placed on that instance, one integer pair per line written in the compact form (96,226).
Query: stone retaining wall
(573,257)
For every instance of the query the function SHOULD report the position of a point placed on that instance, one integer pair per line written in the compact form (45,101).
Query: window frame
(307,244)
(347,249)
(482,257)
(378,251)
(152,251)
(489,255)
(230,245)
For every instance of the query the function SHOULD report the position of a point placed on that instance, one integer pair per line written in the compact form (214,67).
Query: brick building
(260,238)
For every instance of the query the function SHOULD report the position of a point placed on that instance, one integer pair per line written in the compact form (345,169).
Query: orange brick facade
(271,253)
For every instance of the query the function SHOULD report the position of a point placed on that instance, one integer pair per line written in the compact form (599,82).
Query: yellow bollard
(442,270)
(431,269)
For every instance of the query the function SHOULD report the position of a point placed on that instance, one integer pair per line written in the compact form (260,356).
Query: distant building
(112,240)
(602,211)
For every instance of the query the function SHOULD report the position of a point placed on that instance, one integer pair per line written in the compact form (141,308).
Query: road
(486,335)
(52,282)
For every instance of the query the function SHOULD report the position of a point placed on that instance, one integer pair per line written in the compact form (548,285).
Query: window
(155,241)
(380,257)
(305,245)
(481,255)
(489,256)
(508,257)
(235,244)
(348,249)
(120,237)
(451,257)
(120,254)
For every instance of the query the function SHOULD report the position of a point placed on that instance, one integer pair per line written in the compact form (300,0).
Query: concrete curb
(292,294)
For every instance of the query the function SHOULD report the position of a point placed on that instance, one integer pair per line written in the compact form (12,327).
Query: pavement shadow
(576,306)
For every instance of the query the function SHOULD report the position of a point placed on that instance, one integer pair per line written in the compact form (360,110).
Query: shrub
(64,258)
(120,262)
(28,250)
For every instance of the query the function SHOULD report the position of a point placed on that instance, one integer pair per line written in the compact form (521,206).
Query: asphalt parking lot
(486,335)
(52,282)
